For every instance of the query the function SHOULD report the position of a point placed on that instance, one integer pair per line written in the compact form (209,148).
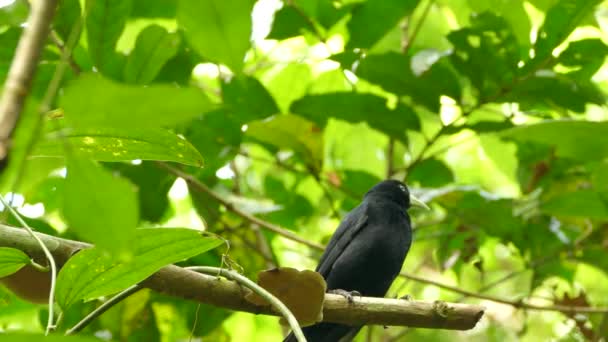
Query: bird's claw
(349,295)
(407,297)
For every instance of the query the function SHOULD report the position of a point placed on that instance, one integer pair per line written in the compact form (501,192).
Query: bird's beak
(414,202)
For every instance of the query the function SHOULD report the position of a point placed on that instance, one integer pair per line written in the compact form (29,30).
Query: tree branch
(516,304)
(288,234)
(178,282)
(23,68)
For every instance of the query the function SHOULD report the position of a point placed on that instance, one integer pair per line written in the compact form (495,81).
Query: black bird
(366,252)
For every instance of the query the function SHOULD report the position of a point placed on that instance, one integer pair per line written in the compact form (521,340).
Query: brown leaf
(303,292)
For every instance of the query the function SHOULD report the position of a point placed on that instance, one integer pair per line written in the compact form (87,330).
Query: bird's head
(398,192)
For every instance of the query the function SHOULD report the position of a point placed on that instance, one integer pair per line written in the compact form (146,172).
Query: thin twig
(390,151)
(307,19)
(409,42)
(420,157)
(264,248)
(49,257)
(274,301)
(516,304)
(198,309)
(268,258)
(198,185)
(293,169)
(62,47)
(326,193)
(103,308)
(66,59)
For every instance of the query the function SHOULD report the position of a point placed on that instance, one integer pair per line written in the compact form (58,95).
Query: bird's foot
(407,297)
(346,294)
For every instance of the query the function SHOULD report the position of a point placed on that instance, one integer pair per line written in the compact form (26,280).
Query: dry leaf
(303,292)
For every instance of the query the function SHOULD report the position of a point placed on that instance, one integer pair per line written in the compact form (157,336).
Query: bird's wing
(345,233)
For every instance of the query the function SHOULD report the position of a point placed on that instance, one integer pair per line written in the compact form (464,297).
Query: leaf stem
(103,308)
(274,301)
(49,257)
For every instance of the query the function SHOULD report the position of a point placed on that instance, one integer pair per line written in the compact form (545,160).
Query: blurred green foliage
(492,111)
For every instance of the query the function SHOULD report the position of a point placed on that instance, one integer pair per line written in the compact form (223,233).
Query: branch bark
(178,282)
(23,68)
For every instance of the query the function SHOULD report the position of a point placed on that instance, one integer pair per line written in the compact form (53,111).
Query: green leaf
(595,255)
(105,22)
(121,144)
(287,23)
(100,207)
(12,260)
(154,9)
(487,53)
(294,206)
(178,70)
(129,106)
(371,20)
(153,184)
(291,132)
(218,29)
(8,45)
(582,203)
(21,138)
(355,107)
(494,216)
(431,173)
(580,140)
(91,273)
(560,21)
(68,13)
(247,99)
(393,72)
(287,83)
(153,48)
(513,12)
(550,90)
(298,17)
(481,127)
(14,13)
(219,133)
(586,55)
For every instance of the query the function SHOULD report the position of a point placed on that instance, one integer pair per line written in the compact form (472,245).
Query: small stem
(103,308)
(515,303)
(307,19)
(199,186)
(408,42)
(38,267)
(274,301)
(49,257)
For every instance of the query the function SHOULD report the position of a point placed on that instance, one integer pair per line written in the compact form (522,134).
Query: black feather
(366,252)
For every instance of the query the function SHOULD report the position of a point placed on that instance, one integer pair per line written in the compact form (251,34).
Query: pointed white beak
(414,202)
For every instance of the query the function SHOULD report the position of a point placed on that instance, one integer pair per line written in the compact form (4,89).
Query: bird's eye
(402,188)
